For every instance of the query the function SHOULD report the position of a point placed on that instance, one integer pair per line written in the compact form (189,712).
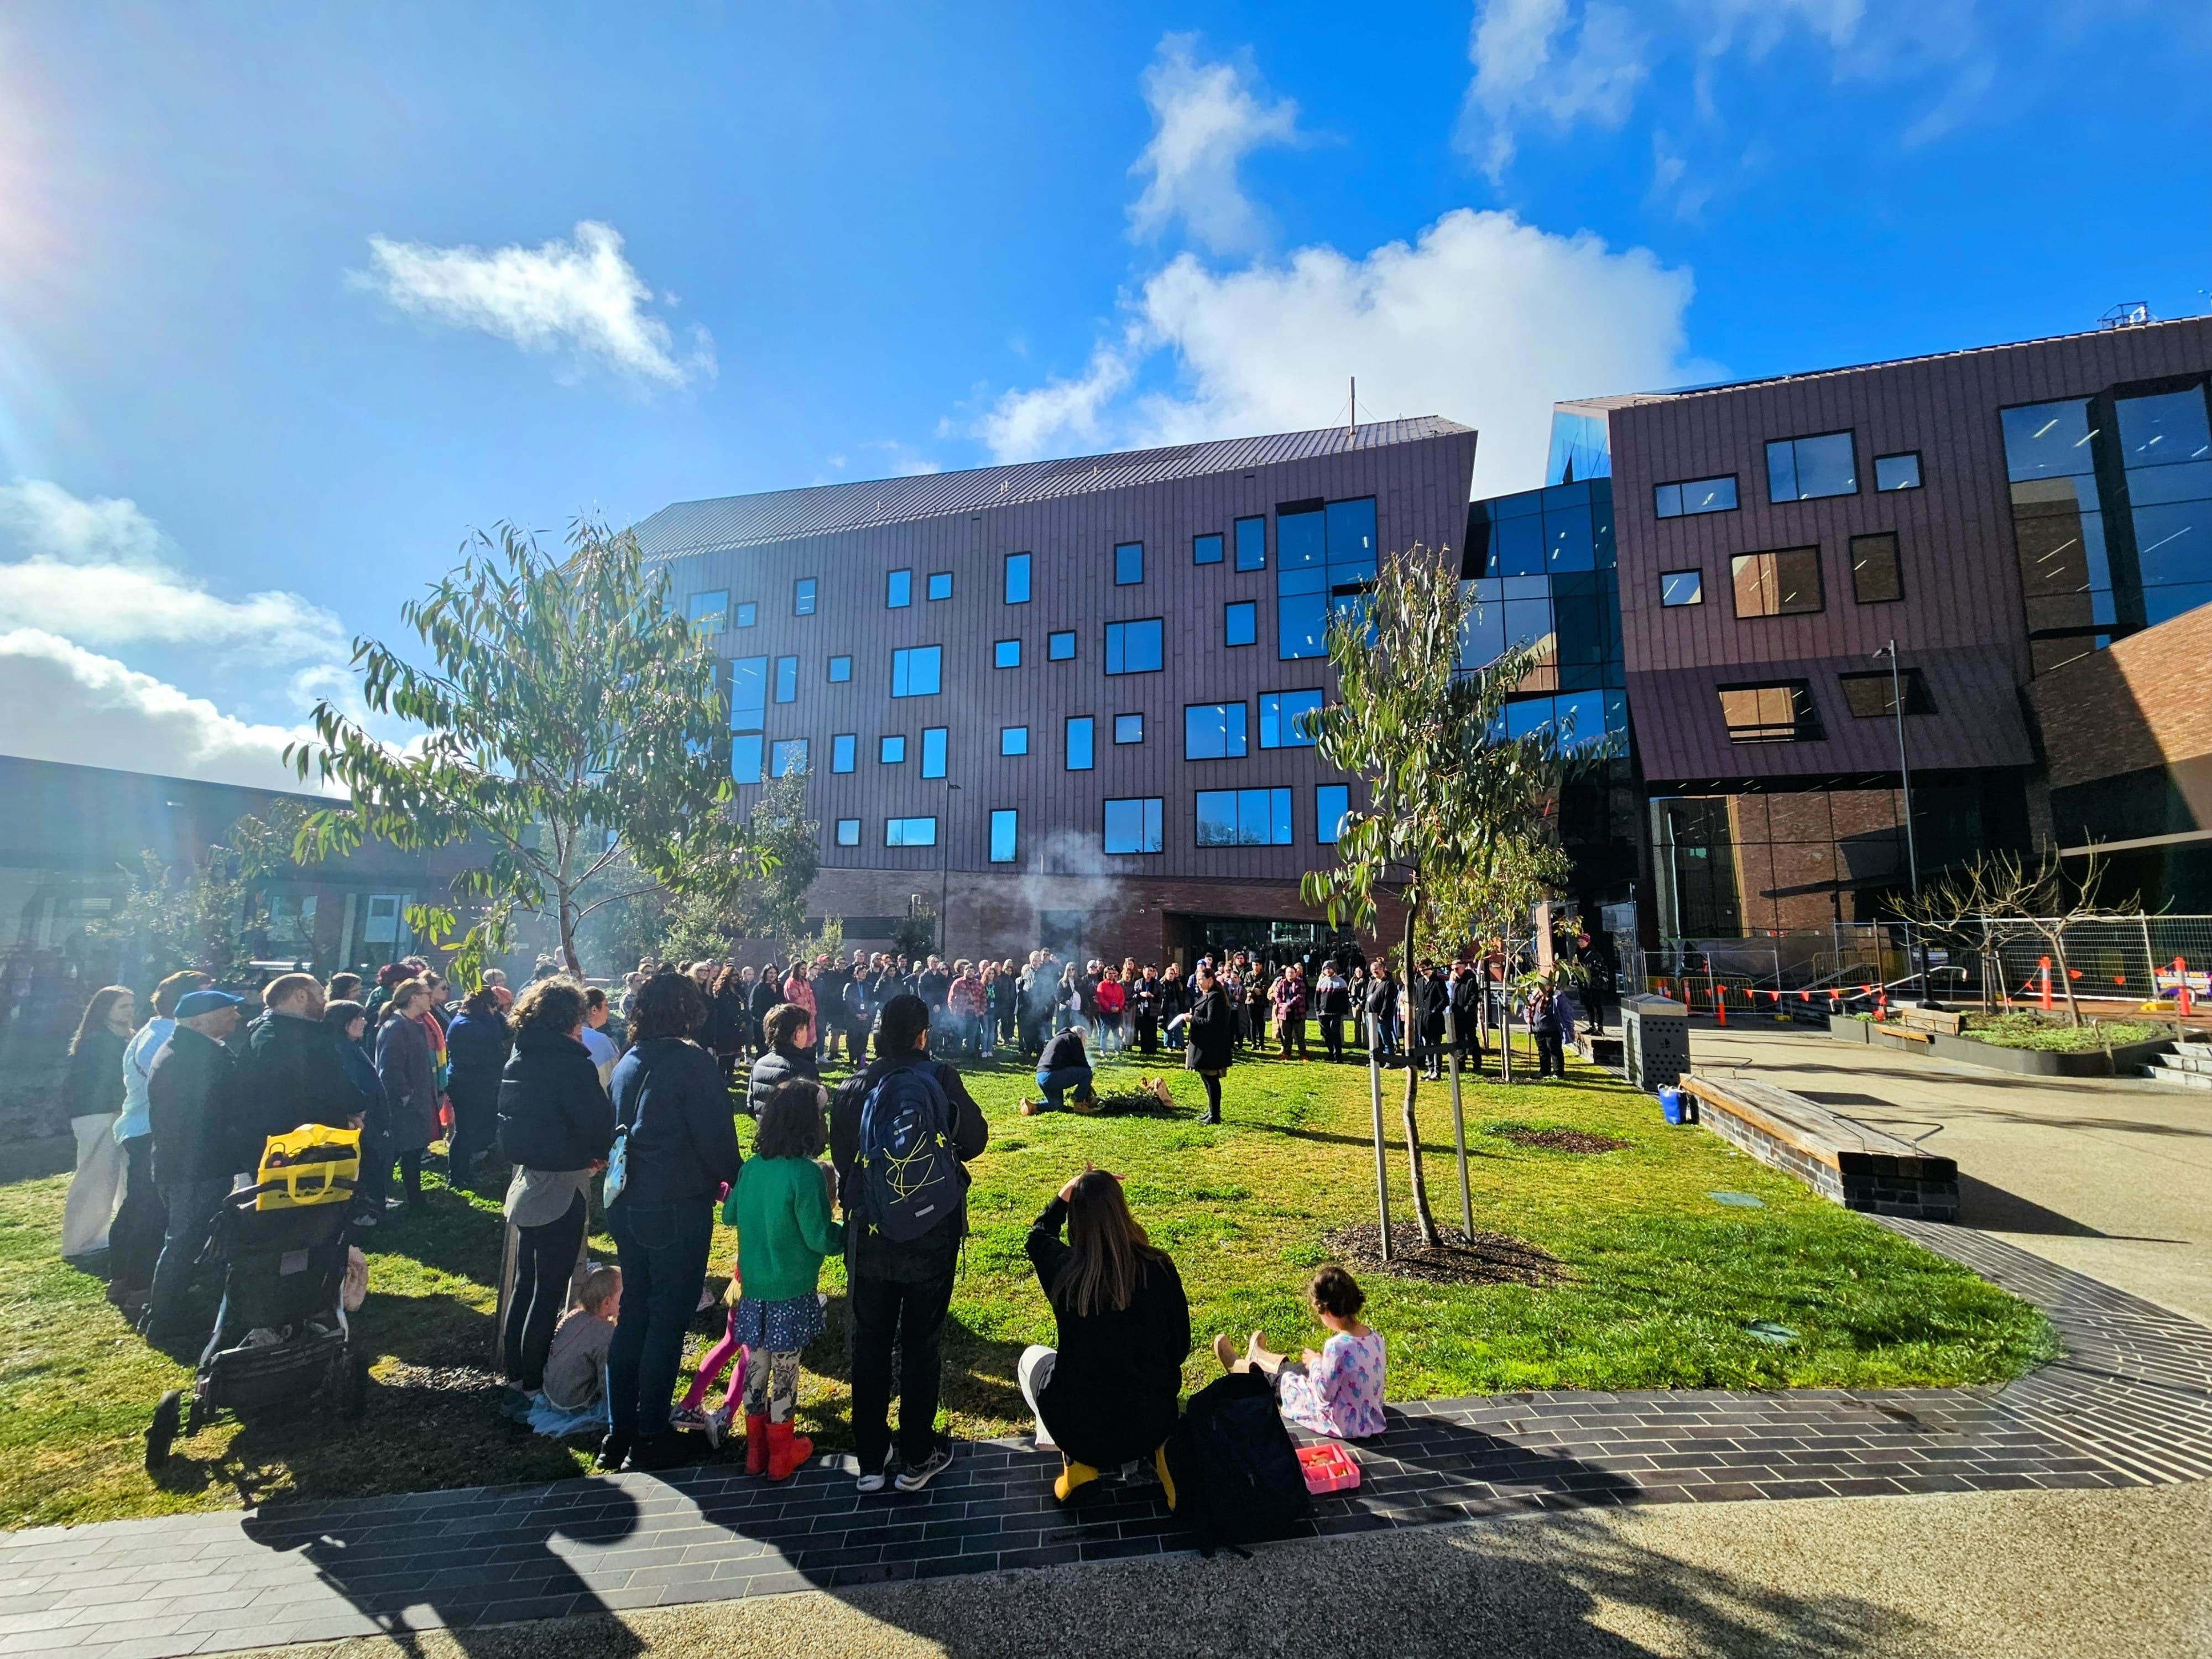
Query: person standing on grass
(1543,1025)
(192,1112)
(345,1022)
(680,1149)
(555,1125)
(766,993)
(93,1095)
(1288,994)
(1435,996)
(403,1066)
(477,1045)
(899,1291)
(135,1238)
(798,988)
(1210,1037)
(789,1054)
(292,1073)
(603,1049)
(1108,1391)
(1383,1013)
(1466,1013)
(1332,1002)
(1112,998)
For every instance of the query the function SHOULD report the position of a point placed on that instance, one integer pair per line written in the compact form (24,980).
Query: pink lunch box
(1329,1467)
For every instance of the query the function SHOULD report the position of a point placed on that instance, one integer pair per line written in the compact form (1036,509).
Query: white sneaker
(870,1483)
(922,1473)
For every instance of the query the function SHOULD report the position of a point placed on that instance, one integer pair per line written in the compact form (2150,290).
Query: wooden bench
(1858,1167)
(1932,1019)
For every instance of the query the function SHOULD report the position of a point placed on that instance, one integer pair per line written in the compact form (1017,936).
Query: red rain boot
(787,1452)
(757,1432)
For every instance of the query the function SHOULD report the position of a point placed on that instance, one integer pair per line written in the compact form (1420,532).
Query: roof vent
(2129,314)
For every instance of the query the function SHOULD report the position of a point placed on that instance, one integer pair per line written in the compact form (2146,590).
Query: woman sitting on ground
(1338,1391)
(1109,1391)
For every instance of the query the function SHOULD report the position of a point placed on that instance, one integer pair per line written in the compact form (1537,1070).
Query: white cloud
(1206,118)
(1530,63)
(1482,318)
(90,710)
(582,296)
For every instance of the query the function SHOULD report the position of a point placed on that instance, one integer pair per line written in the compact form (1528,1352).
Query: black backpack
(911,1177)
(1237,1473)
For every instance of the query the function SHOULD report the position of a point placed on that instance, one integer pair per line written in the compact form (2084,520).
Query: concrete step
(2187,1061)
(2175,1076)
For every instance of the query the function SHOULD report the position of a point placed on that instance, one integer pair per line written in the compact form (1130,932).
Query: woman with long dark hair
(1210,1036)
(91,1093)
(1109,1392)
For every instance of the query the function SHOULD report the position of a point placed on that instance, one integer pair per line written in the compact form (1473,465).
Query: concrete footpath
(2109,1176)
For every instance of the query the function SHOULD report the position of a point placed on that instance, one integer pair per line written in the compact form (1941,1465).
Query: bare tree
(2037,897)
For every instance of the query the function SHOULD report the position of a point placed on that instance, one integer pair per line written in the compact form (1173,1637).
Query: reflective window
(1781,713)
(1207,549)
(910,832)
(1243,817)
(890,751)
(898,590)
(788,758)
(1324,564)
(1017,579)
(2048,440)
(1783,583)
(1006,823)
(1677,500)
(1128,564)
(841,670)
(709,613)
(1896,471)
(1081,730)
(1133,647)
(1014,740)
(1872,696)
(1331,802)
(1060,646)
(1806,469)
(745,758)
(932,752)
(940,584)
(1007,653)
(786,679)
(1240,624)
(1876,576)
(802,597)
(914,670)
(1129,728)
(844,750)
(1212,731)
(848,832)
(1681,588)
(748,614)
(1252,544)
(1286,718)
(748,694)
(1134,825)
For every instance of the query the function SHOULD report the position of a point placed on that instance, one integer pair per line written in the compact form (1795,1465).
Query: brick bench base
(1843,1160)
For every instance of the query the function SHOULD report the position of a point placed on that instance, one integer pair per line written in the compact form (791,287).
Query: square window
(910,832)
(1129,728)
(940,584)
(914,670)
(1785,583)
(1007,653)
(1896,471)
(1681,588)
(1060,646)
(1080,733)
(932,752)
(1017,590)
(1132,825)
(1005,825)
(1133,647)
(787,759)
(1212,731)
(748,614)
(844,750)
(1243,817)
(1208,548)
(1252,544)
(1014,740)
(1287,719)
(802,597)
(898,590)
(1128,564)
(745,755)
(1240,623)
(1877,577)
(1872,696)
(841,670)
(786,679)
(1806,468)
(708,613)
(1780,712)
(848,832)
(891,751)
(748,694)
(1331,801)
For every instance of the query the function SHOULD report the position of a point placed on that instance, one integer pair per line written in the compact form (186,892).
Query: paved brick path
(2130,1404)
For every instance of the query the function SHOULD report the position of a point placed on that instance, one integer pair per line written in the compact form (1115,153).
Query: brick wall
(2141,703)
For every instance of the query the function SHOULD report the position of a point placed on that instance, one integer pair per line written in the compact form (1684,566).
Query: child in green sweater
(781,1208)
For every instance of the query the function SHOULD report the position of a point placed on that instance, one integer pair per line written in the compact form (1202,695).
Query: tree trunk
(2065,978)
(566,910)
(1428,1223)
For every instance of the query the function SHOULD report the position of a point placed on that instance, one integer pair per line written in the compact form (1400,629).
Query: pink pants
(716,1362)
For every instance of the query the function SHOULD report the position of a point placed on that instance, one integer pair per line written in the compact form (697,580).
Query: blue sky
(292,297)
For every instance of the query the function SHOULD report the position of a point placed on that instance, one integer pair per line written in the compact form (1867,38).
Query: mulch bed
(1487,1259)
(1562,1141)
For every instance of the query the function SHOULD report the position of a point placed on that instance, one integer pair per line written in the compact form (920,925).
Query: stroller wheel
(161,1432)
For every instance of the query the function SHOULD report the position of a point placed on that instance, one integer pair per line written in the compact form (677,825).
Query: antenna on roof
(2129,314)
(1353,430)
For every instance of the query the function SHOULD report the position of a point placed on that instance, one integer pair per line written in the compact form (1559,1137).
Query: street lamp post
(1904,777)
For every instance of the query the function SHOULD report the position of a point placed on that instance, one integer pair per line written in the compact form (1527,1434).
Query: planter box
(2044,1062)
(1844,1028)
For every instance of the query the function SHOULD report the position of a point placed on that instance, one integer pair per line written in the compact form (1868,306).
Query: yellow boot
(1072,1475)
(1167,1480)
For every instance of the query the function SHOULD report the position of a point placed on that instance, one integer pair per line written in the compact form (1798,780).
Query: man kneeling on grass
(1064,1068)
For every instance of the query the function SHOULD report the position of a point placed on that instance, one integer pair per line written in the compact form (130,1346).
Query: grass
(2022,1029)
(1659,1284)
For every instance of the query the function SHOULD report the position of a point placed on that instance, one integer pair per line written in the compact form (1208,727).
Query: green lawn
(1658,1283)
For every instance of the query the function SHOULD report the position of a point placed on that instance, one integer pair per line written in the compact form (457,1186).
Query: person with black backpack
(1109,1392)
(900,1135)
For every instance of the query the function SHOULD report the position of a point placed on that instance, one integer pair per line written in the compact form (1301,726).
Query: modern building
(1059,701)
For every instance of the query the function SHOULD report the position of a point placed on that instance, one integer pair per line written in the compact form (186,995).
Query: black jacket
(683,1142)
(552,1113)
(293,1074)
(476,1047)
(192,1103)
(1118,1377)
(868,1254)
(94,1087)
(774,1068)
(1382,998)
(1210,1037)
(1064,1051)
(766,993)
(931,987)
(725,1019)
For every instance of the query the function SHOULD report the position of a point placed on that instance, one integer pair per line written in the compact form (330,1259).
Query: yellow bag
(313,1164)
